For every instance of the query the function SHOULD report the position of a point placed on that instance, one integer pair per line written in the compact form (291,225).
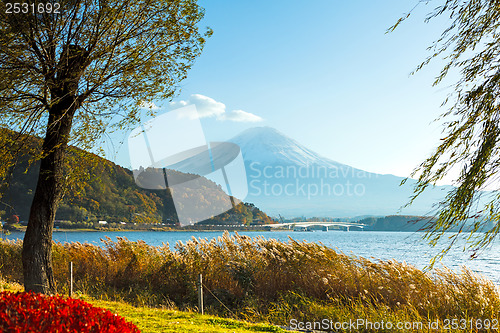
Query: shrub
(30,312)
(11,266)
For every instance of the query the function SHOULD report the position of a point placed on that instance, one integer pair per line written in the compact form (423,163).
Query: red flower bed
(30,312)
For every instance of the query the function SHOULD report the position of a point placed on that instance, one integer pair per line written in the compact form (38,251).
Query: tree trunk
(37,245)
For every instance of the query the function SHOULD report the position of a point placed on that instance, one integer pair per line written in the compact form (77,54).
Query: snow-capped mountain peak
(269,146)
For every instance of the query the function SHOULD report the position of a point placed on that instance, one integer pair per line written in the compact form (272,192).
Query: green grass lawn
(159,320)
(152,320)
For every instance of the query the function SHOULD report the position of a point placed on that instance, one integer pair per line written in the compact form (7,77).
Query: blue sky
(324,73)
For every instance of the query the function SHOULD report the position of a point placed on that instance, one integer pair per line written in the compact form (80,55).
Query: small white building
(103,222)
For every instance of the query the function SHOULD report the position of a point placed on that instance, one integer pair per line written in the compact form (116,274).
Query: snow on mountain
(268,146)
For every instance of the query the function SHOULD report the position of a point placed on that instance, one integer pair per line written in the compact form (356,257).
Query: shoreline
(149,230)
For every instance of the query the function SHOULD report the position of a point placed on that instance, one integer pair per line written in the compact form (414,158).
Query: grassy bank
(266,281)
(150,320)
(153,320)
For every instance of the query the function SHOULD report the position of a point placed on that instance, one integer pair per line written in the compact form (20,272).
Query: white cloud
(209,107)
(206,106)
(148,105)
(241,116)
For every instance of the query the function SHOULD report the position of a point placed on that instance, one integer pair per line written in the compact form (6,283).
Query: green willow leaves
(135,51)
(470,47)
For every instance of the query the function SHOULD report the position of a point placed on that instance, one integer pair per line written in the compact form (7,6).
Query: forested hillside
(106,191)
(395,223)
(416,223)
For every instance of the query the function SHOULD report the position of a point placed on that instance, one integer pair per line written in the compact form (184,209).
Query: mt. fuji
(287,178)
(268,146)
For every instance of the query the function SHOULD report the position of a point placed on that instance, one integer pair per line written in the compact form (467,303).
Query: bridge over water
(305,225)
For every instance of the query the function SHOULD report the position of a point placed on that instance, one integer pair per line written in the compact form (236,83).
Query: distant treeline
(395,223)
(409,223)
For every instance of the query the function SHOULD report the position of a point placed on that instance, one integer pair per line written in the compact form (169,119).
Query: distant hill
(112,195)
(395,223)
(286,178)
(414,223)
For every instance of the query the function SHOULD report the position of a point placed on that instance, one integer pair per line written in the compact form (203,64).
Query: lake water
(402,246)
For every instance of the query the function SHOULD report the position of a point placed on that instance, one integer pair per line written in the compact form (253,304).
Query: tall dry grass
(260,279)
